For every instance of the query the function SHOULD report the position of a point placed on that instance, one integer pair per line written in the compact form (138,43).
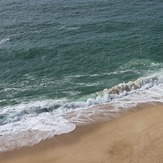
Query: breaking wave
(49,115)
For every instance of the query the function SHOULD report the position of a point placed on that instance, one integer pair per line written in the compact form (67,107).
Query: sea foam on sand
(56,117)
(135,137)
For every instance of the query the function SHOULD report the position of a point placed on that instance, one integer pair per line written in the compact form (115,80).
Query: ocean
(58,57)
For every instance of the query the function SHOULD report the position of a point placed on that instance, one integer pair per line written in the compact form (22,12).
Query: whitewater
(67,63)
(51,117)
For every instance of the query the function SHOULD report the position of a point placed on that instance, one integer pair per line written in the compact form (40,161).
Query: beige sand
(134,138)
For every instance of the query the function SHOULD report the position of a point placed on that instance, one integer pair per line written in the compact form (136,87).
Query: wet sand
(136,137)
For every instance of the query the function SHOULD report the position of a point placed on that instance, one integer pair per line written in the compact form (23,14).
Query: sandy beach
(135,137)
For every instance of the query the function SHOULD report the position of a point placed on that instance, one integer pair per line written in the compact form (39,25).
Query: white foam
(44,122)
(25,117)
(31,105)
(49,115)
(121,97)
(4,40)
(68,28)
(116,72)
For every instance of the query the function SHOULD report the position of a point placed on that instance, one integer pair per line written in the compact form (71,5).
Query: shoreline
(134,137)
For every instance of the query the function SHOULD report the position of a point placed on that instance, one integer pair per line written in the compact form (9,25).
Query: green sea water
(69,49)
(54,52)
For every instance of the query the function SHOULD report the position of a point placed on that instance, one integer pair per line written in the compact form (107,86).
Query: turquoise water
(68,50)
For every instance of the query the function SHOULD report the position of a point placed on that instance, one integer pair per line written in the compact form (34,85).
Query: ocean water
(58,56)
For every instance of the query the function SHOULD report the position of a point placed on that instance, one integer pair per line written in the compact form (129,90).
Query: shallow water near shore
(58,57)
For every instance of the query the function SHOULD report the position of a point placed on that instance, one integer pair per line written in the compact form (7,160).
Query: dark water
(68,49)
